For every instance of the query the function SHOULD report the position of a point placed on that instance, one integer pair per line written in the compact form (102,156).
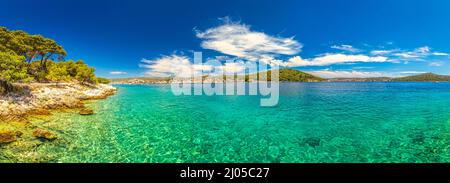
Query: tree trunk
(30,59)
(5,87)
(44,61)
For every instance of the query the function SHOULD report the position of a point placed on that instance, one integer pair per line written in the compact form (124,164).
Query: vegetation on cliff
(34,58)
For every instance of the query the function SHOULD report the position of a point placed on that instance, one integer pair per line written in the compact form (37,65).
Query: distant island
(289,75)
(426,77)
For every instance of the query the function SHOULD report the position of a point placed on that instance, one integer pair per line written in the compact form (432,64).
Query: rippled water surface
(314,122)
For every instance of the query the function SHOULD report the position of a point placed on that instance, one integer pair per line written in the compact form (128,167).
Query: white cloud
(181,66)
(344,47)
(418,53)
(440,54)
(408,55)
(436,64)
(381,52)
(346,74)
(234,67)
(117,73)
(330,59)
(424,49)
(412,72)
(363,67)
(173,65)
(238,40)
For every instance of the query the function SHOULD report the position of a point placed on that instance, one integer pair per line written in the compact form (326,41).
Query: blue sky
(330,38)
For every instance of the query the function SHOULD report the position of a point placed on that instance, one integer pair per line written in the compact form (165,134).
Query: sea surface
(313,122)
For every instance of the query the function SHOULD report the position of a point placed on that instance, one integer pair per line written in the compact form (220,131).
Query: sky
(328,38)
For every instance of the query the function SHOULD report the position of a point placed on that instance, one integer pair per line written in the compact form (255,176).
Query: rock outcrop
(7,136)
(44,134)
(86,112)
(44,96)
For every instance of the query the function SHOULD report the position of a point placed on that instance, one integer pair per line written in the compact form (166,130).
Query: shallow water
(314,122)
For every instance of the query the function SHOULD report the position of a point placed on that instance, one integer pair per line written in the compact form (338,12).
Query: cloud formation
(346,74)
(238,40)
(344,47)
(418,53)
(117,73)
(381,52)
(440,54)
(436,64)
(235,67)
(330,59)
(172,65)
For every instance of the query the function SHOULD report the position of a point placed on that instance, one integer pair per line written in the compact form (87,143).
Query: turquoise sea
(313,122)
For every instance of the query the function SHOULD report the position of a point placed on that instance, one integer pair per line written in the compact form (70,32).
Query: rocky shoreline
(40,99)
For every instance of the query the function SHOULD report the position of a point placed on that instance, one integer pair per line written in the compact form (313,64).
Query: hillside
(292,75)
(424,77)
(140,80)
(373,79)
(288,75)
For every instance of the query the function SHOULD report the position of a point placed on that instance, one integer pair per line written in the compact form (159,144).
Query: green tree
(30,46)
(57,72)
(85,74)
(13,68)
(25,57)
(103,80)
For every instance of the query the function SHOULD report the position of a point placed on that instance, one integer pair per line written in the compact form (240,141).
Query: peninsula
(35,79)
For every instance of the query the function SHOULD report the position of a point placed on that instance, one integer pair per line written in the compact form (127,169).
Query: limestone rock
(86,111)
(312,141)
(44,134)
(7,136)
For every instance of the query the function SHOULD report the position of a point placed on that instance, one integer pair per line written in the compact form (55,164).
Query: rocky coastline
(41,99)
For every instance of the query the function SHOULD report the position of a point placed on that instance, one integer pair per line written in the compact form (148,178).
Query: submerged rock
(312,141)
(395,143)
(8,136)
(86,111)
(18,133)
(417,138)
(274,151)
(44,134)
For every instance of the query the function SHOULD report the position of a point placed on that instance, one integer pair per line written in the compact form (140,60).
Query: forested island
(424,77)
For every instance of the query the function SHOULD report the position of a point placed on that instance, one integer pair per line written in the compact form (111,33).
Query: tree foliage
(13,68)
(290,75)
(32,47)
(26,58)
(103,80)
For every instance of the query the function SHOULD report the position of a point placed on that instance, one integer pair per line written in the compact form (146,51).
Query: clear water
(314,122)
